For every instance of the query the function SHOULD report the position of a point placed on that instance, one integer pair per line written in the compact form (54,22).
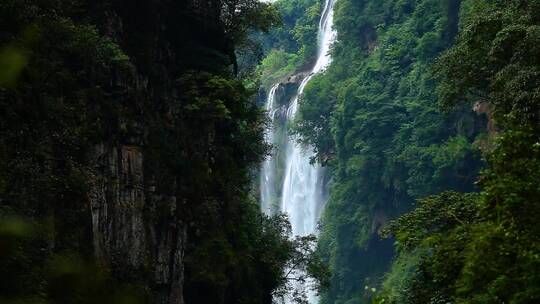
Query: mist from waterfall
(302,192)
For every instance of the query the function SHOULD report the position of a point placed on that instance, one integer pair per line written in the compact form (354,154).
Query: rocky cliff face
(126,236)
(138,230)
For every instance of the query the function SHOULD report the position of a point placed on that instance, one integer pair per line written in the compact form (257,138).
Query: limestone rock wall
(139,232)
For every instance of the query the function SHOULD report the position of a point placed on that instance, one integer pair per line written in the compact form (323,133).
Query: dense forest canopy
(486,249)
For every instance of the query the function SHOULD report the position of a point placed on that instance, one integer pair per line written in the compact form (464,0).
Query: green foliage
(475,248)
(292,46)
(496,51)
(277,65)
(242,17)
(496,59)
(242,21)
(435,215)
(490,254)
(430,241)
(12,64)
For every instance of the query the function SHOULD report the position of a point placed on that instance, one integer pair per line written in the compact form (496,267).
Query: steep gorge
(406,151)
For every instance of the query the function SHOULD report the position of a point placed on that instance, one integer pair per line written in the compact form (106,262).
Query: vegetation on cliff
(483,248)
(290,47)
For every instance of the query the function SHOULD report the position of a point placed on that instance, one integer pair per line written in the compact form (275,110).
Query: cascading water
(302,193)
(268,174)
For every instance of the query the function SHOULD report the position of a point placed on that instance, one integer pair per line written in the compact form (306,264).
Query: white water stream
(302,191)
(268,173)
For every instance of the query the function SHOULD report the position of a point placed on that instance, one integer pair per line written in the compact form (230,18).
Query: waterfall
(302,187)
(268,174)
(302,192)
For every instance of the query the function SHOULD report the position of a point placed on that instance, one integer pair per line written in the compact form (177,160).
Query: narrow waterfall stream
(268,174)
(302,190)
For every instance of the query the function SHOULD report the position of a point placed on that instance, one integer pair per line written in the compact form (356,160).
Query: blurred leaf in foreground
(12,62)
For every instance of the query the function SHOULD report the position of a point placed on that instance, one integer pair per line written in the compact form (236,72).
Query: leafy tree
(241,18)
(429,242)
